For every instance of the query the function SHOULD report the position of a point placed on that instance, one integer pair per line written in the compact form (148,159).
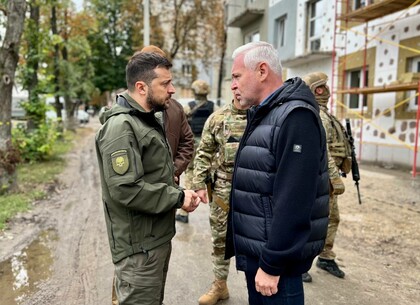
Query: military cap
(315,79)
(200,87)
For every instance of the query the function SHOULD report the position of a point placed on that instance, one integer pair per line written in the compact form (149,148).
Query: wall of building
(278,9)
(319,65)
(387,133)
(327,26)
(238,36)
(297,28)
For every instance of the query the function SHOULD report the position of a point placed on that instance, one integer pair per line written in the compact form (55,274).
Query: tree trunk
(33,63)
(71,122)
(57,104)
(9,56)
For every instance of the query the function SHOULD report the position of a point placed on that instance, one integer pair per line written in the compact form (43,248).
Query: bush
(37,144)
(10,158)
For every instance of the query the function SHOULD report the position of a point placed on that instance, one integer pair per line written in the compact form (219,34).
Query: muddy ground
(58,252)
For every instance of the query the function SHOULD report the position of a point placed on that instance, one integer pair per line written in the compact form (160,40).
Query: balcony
(244,12)
(306,58)
(376,10)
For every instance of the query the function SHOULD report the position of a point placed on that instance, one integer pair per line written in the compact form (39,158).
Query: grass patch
(10,205)
(33,179)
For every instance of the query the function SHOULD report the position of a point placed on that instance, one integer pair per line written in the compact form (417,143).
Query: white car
(83,116)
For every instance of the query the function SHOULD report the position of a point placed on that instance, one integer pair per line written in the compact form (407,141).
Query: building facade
(247,21)
(377,74)
(370,50)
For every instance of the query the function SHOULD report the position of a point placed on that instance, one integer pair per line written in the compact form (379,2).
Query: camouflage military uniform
(327,256)
(215,155)
(334,218)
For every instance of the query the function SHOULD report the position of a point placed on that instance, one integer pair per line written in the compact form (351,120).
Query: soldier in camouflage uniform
(197,112)
(214,158)
(317,82)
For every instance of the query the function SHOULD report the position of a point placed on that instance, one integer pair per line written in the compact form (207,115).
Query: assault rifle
(354,166)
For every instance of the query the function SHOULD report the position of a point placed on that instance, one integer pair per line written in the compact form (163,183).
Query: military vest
(340,147)
(199,116)
(233,129)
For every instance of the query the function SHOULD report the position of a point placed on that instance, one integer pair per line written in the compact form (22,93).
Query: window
(359,4)
(279,32)
(413,65)
(315,26)
(186,70)
(253,37)
(354,80)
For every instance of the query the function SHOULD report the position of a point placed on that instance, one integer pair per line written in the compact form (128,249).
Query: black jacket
(199,116)
(280,190)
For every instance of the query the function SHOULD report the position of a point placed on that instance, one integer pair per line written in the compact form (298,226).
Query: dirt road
(58,252)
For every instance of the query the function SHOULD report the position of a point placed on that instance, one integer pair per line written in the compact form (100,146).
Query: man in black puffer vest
(279,201)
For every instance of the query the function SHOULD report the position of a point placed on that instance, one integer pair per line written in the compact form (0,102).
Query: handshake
(191,201)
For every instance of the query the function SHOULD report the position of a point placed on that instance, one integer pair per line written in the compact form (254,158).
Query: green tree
(56,58)
(29,68)
(196,31)
(112,44)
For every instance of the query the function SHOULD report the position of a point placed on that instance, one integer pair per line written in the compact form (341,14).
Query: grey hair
(259,51)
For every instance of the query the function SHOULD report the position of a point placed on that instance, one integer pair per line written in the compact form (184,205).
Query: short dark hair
(140,68)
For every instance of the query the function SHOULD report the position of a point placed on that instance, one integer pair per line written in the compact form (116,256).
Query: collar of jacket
(292,89)
(125,100)
(235,110)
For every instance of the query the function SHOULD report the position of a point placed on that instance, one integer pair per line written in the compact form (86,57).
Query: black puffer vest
(254,184)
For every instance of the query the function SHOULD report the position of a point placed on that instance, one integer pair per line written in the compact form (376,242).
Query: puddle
(21,275)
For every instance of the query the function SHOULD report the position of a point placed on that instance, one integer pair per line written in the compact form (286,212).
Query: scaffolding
(347,16)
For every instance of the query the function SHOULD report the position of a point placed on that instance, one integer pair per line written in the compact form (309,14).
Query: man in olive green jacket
(139,194)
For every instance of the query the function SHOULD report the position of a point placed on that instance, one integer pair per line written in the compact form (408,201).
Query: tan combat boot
(218,291)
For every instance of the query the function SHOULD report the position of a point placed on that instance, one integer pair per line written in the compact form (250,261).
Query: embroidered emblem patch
(297,148)
(120,162)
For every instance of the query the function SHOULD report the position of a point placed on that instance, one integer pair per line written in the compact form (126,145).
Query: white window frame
(314,25)
(361,99)
(280,32)
(252,37)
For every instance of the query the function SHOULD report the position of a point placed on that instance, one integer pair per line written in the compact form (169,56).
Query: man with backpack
(339,163)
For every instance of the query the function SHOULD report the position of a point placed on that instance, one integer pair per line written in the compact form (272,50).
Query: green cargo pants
(140,278)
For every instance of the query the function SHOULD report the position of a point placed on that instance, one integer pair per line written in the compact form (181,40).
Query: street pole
(146,30)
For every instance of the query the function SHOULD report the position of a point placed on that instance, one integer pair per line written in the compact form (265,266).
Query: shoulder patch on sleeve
(120,161)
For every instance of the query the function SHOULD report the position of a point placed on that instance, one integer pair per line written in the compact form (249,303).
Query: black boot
(181,218)
(306,277)
(330,266)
